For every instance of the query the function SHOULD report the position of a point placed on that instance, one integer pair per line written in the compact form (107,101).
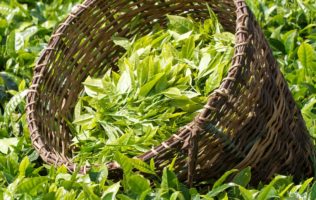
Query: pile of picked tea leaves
(163,81)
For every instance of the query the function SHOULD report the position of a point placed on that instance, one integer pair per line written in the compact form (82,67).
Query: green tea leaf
(180,24)
(305,185)
(23,166)
(7,143)
(138,184)
(14,102)
(188,48)
(169,180)
(306,55)
(312,194)
(10,46)
(142,166)
(83,119)
(221,180)
(145,89)
(269,191)
(216,191)
(177,195)
(125,82)
(124,162)
(111,191)
(243,177)
(289,40)
(285,190)
(246,194)
(89,192)
(123,42)
(29,185)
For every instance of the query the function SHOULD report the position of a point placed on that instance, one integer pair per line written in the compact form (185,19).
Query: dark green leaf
(138,184)
(243,177)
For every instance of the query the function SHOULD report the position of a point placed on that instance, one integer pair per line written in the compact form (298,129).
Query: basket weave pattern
(250,120)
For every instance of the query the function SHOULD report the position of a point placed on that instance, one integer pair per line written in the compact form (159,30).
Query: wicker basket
(257,121)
